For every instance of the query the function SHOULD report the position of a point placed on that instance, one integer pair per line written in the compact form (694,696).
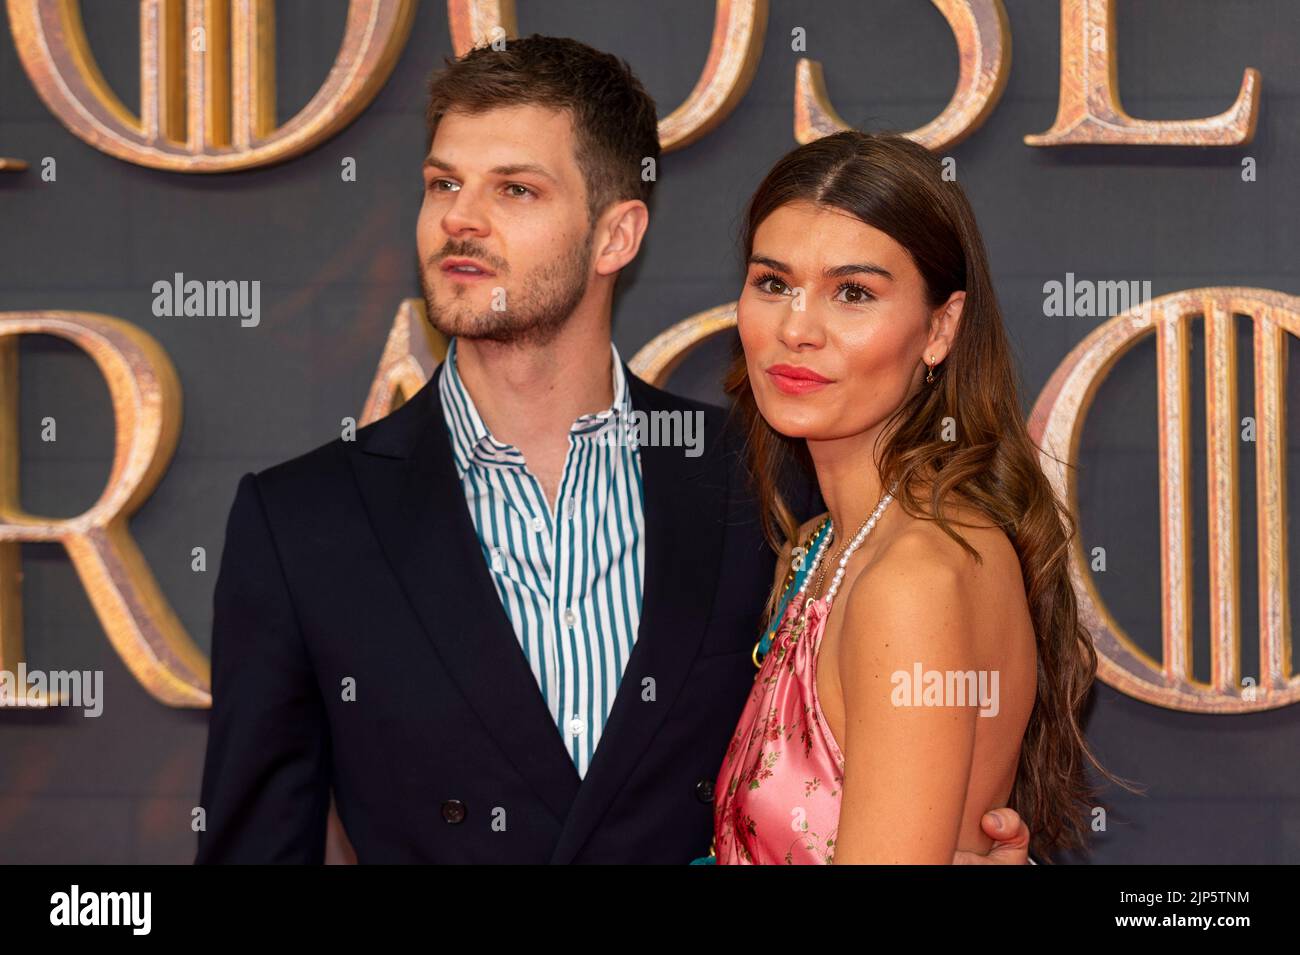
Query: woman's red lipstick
(794,380)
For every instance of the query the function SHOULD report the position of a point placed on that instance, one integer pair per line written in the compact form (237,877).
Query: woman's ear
(943,327)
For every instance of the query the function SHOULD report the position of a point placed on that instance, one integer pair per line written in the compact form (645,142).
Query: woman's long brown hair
(898,187)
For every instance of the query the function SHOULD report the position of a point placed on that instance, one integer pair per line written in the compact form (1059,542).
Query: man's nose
(466,214)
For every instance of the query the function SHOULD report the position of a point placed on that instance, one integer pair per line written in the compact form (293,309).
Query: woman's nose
(800,325)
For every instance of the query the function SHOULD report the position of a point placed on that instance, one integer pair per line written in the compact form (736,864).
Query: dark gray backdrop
(335,259)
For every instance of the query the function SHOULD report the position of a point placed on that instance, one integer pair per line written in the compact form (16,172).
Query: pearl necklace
(822,542)
(852,547)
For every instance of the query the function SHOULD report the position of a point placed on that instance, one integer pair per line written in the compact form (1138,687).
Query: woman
(928,663)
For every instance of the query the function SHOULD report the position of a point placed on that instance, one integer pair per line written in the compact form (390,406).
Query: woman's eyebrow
(835,272)
(770,263)
(854,268)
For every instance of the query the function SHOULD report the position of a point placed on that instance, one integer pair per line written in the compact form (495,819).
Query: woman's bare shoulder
(922,572)
(923,538)
(920,554)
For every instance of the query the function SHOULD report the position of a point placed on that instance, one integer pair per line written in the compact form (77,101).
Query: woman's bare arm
(906,767)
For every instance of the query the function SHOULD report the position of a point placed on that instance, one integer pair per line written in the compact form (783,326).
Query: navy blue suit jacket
(358,561)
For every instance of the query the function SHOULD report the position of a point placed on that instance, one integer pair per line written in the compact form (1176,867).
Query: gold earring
(929,375)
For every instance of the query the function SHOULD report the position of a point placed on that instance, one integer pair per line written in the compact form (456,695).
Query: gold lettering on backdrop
(1090,112)
(660,356)
(11,165)
(1056,424)
(411,355)
(984,56)
(207,87)
(476,22)
(207,80)
(738,30)
(146,399)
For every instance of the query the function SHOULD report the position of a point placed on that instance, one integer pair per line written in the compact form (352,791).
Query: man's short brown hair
(615,124)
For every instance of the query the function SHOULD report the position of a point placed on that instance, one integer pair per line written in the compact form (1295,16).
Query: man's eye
(523,190)
(436,184)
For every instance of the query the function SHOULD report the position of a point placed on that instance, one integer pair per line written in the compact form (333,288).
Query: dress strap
(794,583)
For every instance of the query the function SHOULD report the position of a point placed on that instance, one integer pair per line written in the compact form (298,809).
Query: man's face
(504,237)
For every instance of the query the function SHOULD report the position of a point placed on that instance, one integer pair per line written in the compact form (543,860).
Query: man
(499,629)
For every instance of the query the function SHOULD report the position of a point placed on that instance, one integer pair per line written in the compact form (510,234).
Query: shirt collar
(473,443)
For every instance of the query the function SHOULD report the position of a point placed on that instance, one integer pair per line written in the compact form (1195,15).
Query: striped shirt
(570,580)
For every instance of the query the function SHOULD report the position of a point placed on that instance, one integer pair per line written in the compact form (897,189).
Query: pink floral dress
(777,797)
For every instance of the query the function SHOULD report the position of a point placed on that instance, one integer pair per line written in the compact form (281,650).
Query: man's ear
(618,235)
(943,327)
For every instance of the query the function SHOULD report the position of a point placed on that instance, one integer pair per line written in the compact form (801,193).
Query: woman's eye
(770,284)
(854,293)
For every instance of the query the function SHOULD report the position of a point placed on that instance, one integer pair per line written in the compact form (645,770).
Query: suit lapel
(684,504)
(407,477)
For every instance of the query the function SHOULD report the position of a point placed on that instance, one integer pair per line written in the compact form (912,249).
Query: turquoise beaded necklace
(802,567)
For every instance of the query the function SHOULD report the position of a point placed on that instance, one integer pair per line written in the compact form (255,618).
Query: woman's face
(834,323)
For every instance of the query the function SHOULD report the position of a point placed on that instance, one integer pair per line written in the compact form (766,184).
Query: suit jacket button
(704,790)
(453,810)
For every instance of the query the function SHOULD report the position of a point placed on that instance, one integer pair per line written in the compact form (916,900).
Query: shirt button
(498,562)
(704,790)
(576,726)
(570,618)
(539,525)
(568,507)
(453,810)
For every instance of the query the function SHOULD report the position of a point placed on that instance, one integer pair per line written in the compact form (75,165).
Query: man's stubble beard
(550,294)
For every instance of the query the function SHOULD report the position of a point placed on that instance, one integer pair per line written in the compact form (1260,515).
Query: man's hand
(1010,838)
